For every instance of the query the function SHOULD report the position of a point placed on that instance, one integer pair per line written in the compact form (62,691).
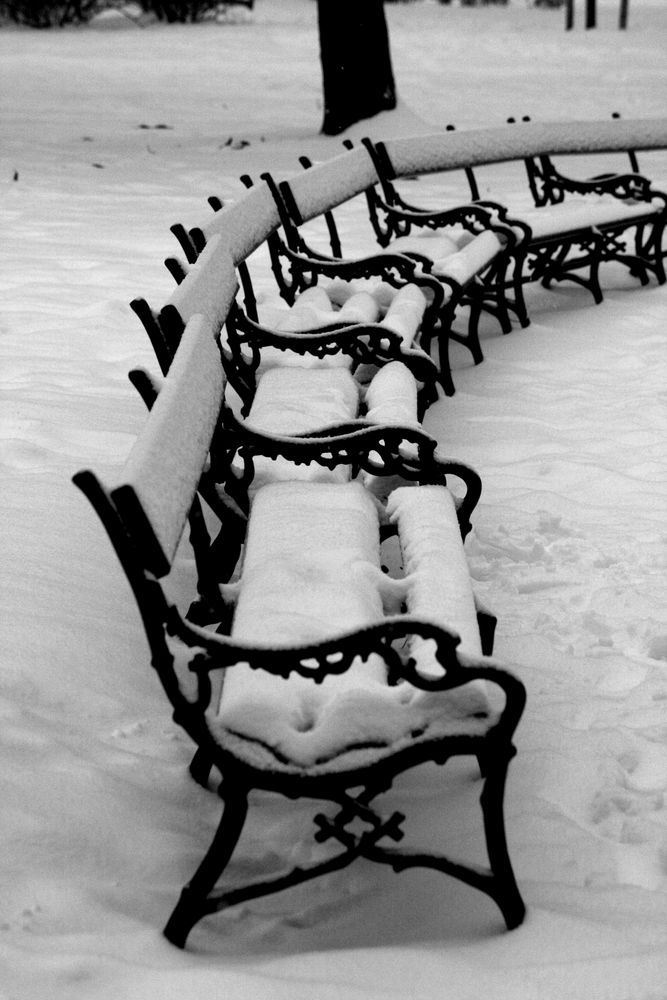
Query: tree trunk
(569,15)
(591,13)
(623,15)
(357,77)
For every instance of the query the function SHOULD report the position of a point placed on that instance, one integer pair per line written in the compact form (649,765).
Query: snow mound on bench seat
(297,400)
(315,309)
(391,396)
(311,558)
(436,244)
(439,588)
(292,401)
(353,730)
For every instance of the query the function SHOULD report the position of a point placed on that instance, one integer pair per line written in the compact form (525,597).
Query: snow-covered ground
(565,421)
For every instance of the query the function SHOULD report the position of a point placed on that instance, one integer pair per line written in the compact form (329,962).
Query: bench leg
(196,900)
(444,369)
(200,768)
(470,339)
(648,254)
(516,284)
(503,888)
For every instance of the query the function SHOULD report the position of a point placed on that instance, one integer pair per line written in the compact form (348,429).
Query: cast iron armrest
(213,652)
(473,216)
(635,187)
(377,449)
(396,269)
(364,343)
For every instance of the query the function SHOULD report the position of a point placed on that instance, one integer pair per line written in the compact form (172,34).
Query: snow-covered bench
(323,687)
(320,425)
(330,327)
(324,326)
(468,256)
(574,228)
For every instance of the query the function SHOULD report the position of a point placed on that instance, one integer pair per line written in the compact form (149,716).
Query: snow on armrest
(438,581)
(391,396)
(470,259)
(405,313)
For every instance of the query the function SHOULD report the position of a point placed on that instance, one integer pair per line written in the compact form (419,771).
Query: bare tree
(357,75)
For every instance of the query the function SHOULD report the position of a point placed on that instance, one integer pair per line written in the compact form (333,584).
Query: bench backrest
(325,185)
(453,150)
(245,224)
(161,475)
(208,289)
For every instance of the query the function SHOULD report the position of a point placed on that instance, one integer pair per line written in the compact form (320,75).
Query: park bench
(468,256)
(330,704)
(574,228)
(328,637)
(450,274)
(392,323)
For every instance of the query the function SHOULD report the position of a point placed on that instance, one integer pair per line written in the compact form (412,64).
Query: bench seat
(319,308)
(582,213)
(291,402)
(311,570)
(314,309)
(296,678)
(298,400)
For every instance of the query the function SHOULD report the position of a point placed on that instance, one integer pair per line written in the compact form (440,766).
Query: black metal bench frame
(211,653)
(296,266)
(200,637)
(575,254)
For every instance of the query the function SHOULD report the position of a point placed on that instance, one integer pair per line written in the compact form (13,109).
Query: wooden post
(569,15)
(591,13)
(623,15)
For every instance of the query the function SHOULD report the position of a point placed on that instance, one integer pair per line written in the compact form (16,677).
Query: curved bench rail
(441,151)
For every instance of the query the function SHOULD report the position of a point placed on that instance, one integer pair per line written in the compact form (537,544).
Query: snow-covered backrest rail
(163,469)
(245,224)
(208,288)
(328,184)
(443,151)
